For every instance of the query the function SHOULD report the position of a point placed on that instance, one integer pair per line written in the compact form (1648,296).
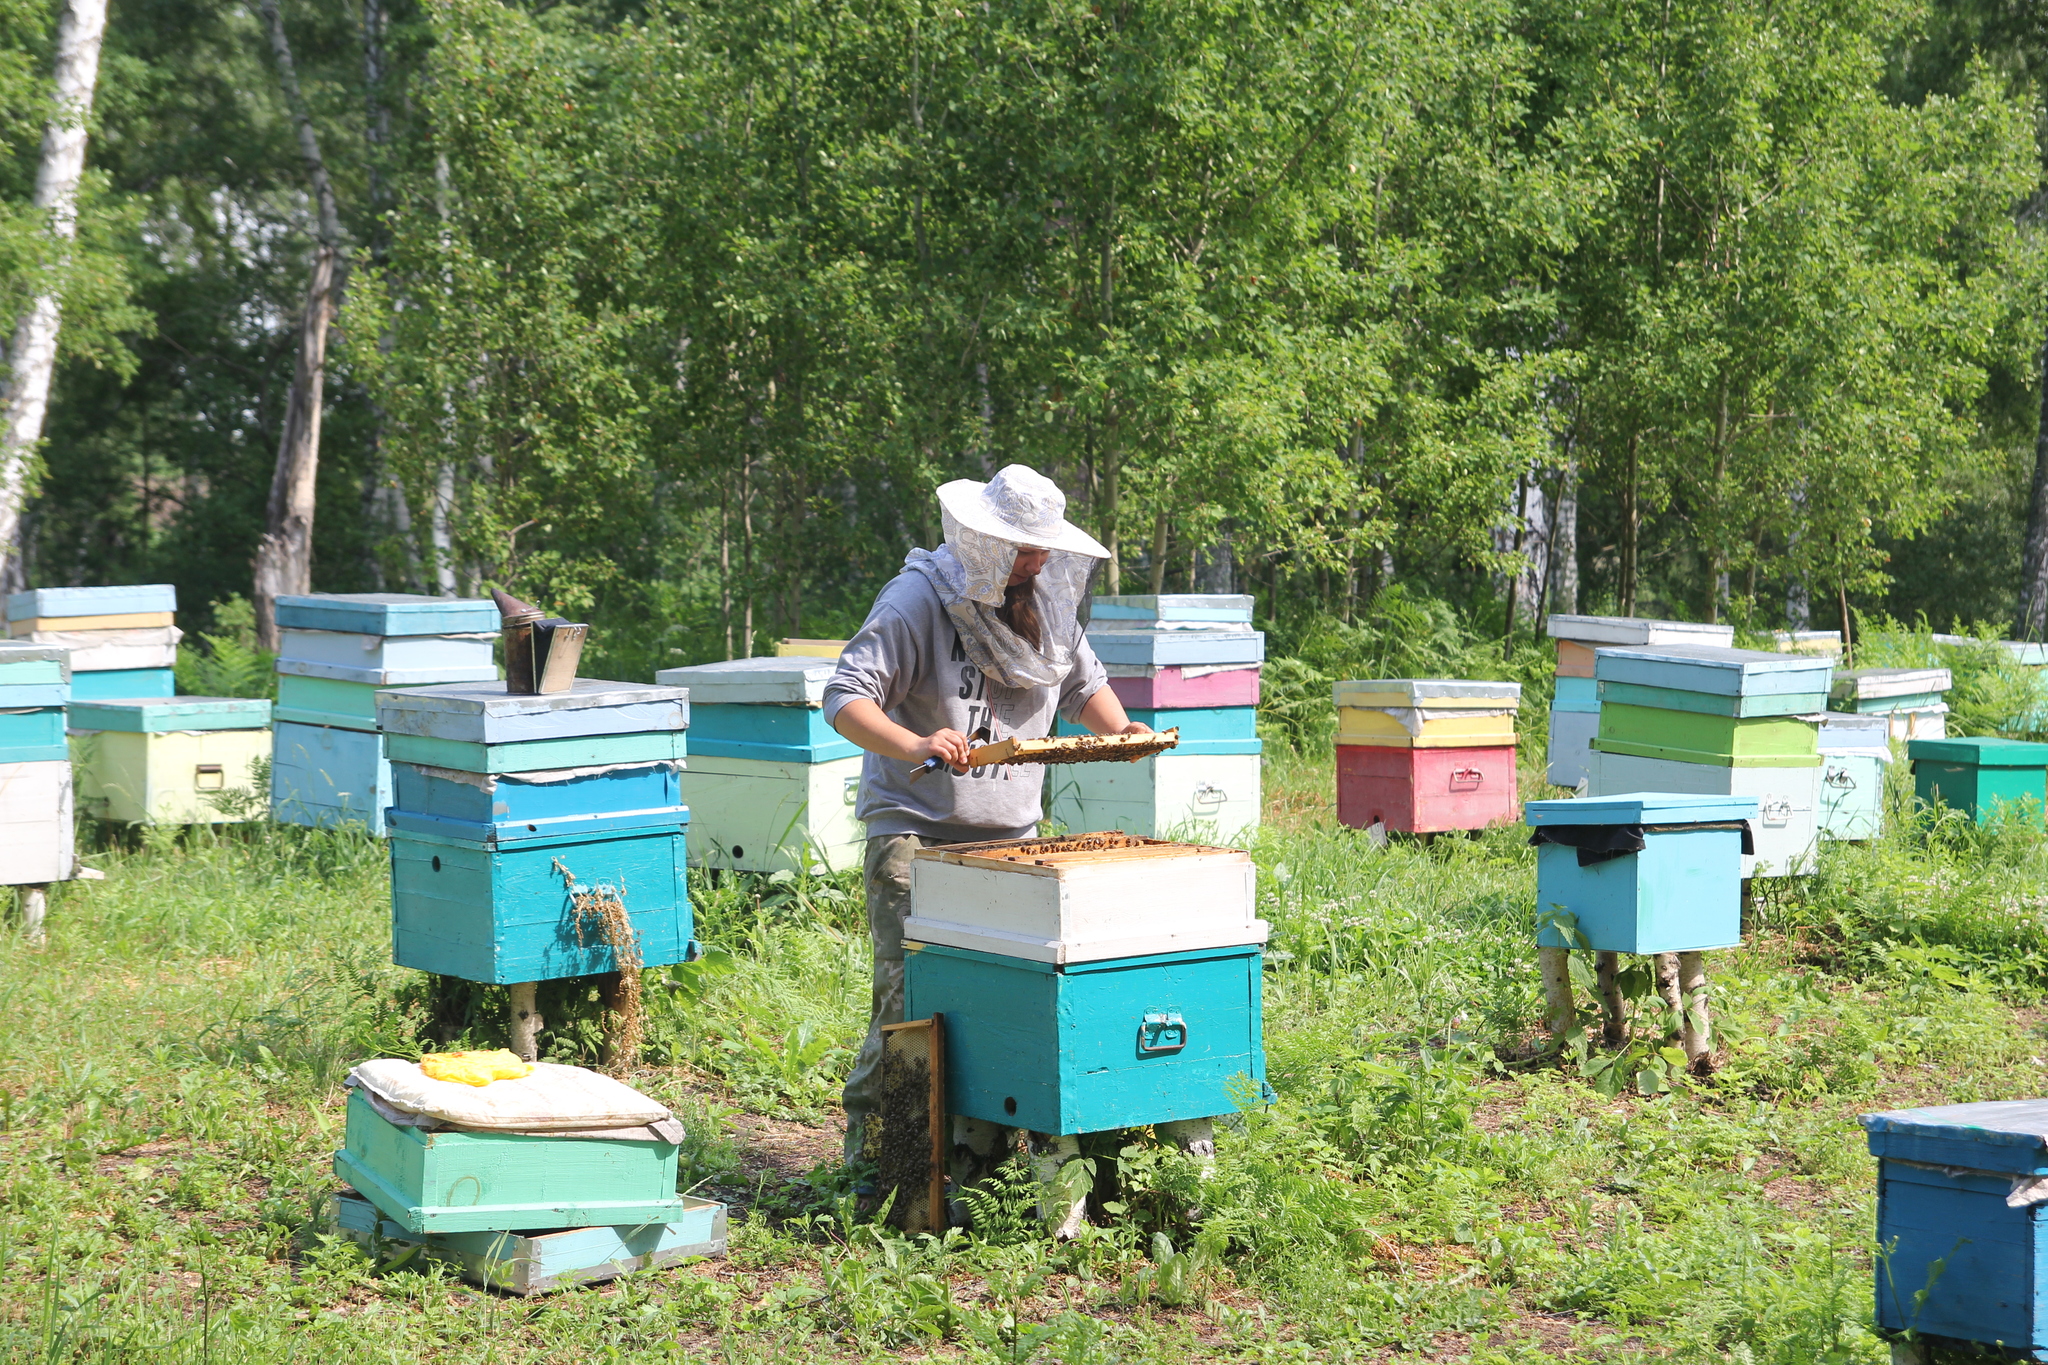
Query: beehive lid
(485,713)
(786,680)
(1636,630)
(23,653)
(1996,1135)
(387,613)
(2033,653)
(1445,693)
(1705,668)
(1984,751)
(1051,857)
(158,715)
(809,649)
(125,600)
(1860,684)
(1640,808)
(1198,608)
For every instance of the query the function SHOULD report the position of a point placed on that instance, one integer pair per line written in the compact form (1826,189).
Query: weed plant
(1427,1183)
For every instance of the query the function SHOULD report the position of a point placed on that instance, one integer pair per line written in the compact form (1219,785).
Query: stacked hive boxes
(770,785)
(1854,753)
(335,651)
(171,760)
(1910,698)
(1718,722)
(1090,983)
(1422,756)
(1189,661)
(1575,708)
(122,640)
(35,766)
(508,812)
(526,1183)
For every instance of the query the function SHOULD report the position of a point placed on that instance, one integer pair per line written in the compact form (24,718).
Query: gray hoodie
(907,659)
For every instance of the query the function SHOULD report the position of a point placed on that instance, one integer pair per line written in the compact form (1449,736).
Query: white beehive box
(754,815)
(36,826)
(1083,898)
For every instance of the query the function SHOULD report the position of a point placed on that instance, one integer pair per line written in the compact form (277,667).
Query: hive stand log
(1196,1137)
(1614,1012)
(1060,1207)
(1667,990)
(1697,1034)
(1560,1010)
(526,1021)
(1911,1353)
(35,902)
(1748,906)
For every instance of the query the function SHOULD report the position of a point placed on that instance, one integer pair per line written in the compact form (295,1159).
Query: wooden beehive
(387,613)
(1855,751)
(450,1181)
(1962,1212)
(1082,898)
(113,684)
(1225,645)
(169,760)
(768,815)
(1189,610)
(1981,777)
(390,655)
(36,825)
(1084,1047)
(1425,790)
(1681,891)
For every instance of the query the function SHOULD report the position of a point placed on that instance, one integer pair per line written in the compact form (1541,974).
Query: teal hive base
(501,912)
(112,684)
(328,776)
(489,1182)
(776,734)
(533,1262)
(1087,1047)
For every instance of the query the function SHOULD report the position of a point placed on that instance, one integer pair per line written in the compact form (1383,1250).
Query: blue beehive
(1082,1047)
(1962,1214)
(488,855)
(329,766)
(1114,644)
(1647,872)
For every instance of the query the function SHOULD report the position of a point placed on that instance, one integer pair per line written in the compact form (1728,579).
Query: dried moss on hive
(600,910)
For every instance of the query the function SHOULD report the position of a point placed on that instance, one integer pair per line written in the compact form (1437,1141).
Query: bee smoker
(541,651)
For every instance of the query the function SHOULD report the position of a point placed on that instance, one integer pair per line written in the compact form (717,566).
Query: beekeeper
(983,633)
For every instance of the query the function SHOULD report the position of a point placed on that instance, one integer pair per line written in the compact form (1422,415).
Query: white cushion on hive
(553,1099)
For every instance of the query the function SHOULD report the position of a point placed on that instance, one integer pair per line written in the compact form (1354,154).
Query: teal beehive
(1645,872)
(1082,1047)
(1962,1213)
(1982,776)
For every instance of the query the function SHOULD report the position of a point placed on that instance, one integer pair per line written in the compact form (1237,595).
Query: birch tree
(34,355)
(284,557)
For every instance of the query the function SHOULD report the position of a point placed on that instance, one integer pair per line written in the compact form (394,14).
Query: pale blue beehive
(1644,872)
(492,899)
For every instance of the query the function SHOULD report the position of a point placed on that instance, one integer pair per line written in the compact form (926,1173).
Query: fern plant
(228,662)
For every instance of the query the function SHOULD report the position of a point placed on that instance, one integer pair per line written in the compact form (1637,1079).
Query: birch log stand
(526,1021)
(35,902)
(1681,984)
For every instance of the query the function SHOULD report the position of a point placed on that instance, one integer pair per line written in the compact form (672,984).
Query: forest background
(670,315)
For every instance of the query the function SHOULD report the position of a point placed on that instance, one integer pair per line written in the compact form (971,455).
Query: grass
(1425,1188)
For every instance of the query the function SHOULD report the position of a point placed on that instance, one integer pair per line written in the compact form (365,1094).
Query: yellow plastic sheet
(474,1068)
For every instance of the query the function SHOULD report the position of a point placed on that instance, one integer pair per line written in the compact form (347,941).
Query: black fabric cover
(1604,843)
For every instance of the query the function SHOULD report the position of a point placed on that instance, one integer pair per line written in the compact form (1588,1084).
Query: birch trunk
(1613,1010)
(1696,1035)
(2034,554)
(1560,1010)
(34,356)
(284,557)
(1563,595)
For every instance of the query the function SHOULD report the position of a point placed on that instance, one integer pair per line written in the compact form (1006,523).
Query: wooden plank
(106,684)
(36,822)
(484,713)
(538,754)
(103,601)
(538,1263)
(131,620)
